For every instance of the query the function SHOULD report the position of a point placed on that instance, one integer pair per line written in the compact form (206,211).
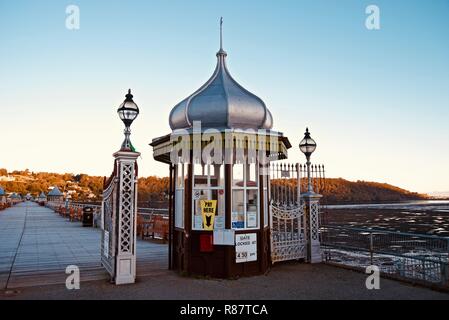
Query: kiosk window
(208,184)
(245,199)
(181,176)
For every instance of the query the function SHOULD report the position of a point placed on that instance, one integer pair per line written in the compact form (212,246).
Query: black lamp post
(128,112)
(308,146)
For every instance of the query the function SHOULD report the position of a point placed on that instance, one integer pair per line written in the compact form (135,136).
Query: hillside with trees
(79,186)
(153,191)
(343,191)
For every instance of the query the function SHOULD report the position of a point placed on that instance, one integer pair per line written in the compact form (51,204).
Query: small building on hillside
(14,198)
(2,196)
(42,199)
(55,195)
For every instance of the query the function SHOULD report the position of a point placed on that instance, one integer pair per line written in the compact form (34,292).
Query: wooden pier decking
(36,246)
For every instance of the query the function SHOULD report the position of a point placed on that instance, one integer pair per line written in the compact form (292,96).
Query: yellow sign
(208,208)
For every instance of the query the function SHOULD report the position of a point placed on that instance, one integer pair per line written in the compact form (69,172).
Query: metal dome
(221,103)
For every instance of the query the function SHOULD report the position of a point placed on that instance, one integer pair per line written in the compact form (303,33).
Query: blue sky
(377,102)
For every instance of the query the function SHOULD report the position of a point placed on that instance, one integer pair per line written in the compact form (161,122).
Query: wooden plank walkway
(36,246)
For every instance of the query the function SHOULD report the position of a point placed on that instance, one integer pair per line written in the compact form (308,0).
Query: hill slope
(154,189)
(344,191)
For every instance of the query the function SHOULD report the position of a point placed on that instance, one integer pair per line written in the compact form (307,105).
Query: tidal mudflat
(427,217)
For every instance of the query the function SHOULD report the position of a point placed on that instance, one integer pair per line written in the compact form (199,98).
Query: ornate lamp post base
(312,217)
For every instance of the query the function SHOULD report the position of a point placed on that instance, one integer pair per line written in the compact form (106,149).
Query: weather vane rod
(221,33)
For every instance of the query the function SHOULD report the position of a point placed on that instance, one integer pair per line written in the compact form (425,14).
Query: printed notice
(219,222)
(224,237)
(245,247)
(252,220)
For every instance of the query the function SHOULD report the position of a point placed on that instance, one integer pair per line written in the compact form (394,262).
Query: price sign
(245,247)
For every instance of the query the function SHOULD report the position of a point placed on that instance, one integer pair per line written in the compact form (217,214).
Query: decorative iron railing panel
(126,201)
(287,234)
(288,240)
(108,249)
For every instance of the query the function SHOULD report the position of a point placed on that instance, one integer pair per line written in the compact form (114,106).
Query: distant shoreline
(418,202)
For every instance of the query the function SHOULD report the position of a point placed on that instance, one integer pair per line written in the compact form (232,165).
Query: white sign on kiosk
(224,237)
(245,247)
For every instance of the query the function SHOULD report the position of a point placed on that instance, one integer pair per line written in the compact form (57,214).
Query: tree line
(153,191)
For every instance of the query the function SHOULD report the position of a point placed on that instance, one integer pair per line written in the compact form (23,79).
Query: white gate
(287,220)
(109,224)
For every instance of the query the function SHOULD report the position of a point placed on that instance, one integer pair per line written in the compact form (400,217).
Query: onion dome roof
(221,103)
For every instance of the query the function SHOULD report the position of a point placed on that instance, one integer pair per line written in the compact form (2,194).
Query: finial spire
(221,33)
(221,53)
(129,96)
(307,133)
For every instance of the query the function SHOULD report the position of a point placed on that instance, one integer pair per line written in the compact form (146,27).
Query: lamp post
(308,146)
(312,207)
(128,112)
(119,236)
(67,201)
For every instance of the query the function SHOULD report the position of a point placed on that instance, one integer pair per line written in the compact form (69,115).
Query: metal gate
(109,226)
(287,221)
